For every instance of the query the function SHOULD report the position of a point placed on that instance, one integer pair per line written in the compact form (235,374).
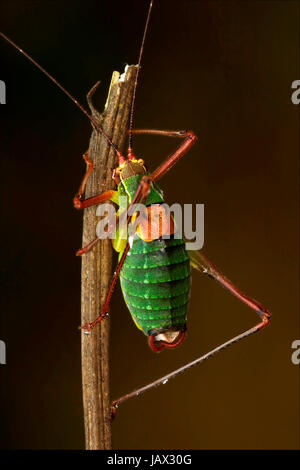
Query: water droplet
(87,332)
(165,381)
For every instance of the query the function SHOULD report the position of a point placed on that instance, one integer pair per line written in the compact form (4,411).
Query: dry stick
(97,263)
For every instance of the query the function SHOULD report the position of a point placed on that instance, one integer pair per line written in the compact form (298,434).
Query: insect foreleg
(79,202)
(165,133)
(189,140)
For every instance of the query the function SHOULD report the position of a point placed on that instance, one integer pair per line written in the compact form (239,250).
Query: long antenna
(130,154)
(95,124)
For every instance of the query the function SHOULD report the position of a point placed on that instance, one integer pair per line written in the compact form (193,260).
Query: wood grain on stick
(97,263)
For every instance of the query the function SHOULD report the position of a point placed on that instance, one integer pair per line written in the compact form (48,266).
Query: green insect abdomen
(155,281)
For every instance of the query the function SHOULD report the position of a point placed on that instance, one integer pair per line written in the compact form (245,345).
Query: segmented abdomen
(155,281)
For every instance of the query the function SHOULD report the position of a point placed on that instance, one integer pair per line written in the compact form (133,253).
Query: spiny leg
(173,374)
(201,262)
(189,140)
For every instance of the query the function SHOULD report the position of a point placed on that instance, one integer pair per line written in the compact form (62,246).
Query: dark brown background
(224,70)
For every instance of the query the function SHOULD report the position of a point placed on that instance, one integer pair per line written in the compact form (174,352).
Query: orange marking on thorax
(155,221)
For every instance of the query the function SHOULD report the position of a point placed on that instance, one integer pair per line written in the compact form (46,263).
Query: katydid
(154,272)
